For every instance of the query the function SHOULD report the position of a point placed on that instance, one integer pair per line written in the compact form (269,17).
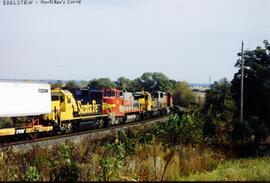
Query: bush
(181,129)
(63,167)
(127,140)
(32,174)
(112,160)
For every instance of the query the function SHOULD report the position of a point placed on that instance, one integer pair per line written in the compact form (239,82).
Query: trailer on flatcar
(24,103)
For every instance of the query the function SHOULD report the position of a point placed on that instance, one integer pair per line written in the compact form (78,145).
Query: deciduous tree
(182,95)
(256,85)
(155,81)
(72,84)
(101,83)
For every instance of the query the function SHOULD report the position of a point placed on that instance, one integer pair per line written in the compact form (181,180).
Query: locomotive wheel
(137,117)
(122,120)
(142,116)
(159,113)
(68,127)
(100,123)
(110,123)
(148,115)
(33,136)
(125,119)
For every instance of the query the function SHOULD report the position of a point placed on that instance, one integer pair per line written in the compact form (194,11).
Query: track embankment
(92,135)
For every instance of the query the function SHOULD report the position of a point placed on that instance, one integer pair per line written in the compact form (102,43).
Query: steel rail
(77,136)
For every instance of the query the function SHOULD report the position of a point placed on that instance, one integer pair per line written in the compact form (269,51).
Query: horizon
(79,80)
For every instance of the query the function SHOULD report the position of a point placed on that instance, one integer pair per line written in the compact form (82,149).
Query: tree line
(149,81)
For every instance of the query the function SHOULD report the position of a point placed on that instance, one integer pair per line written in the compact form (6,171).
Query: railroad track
(96,134)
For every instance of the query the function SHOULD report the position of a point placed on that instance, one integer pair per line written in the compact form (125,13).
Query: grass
(148,162)
(156,162)
(250,169)
(87,162)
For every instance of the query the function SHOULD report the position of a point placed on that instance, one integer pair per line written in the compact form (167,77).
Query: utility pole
(242,83)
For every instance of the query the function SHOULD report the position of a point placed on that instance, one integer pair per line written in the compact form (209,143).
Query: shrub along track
(93,135)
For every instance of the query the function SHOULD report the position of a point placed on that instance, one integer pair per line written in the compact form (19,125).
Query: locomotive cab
(63,106)
(163,101)
(145,100)
(112,99)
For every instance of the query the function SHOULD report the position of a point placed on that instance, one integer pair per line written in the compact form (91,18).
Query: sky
(187,40)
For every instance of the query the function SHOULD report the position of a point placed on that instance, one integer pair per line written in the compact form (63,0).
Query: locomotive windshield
(109,93)
(97,96)
(54,96)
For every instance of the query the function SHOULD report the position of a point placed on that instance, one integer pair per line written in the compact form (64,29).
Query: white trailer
(24,99)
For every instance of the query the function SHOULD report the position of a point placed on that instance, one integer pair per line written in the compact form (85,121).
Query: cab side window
(62,99)
(146,97)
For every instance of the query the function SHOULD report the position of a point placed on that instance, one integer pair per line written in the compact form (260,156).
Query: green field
(253,169)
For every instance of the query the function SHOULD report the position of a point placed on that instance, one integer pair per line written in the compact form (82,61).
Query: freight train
(45,110)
